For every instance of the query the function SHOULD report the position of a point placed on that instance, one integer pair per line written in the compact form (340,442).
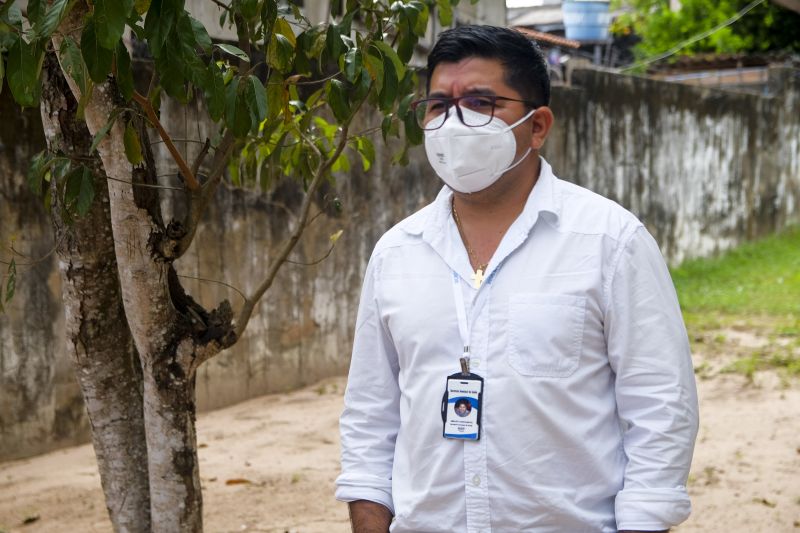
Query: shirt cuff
(350,488)
(651,509)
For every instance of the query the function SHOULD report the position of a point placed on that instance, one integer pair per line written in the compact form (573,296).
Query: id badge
(461,407)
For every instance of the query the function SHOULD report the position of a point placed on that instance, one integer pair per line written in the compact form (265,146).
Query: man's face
(461,409)
(478,75)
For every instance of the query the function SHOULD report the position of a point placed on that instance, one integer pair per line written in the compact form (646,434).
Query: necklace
(478,275)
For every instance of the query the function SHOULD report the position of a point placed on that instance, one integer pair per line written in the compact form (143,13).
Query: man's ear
(542,121)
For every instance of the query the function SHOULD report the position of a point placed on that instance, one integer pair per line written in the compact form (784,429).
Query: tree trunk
(98,338)
(172,333)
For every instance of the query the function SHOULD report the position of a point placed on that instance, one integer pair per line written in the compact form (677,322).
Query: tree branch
(182,234)
(187,173)
(288,245)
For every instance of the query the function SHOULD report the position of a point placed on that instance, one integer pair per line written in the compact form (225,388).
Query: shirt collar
(543,198)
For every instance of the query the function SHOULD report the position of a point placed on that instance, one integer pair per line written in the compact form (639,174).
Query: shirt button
(475,362)
(476,480)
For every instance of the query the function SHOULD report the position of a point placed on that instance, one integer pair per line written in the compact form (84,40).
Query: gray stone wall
(704,169)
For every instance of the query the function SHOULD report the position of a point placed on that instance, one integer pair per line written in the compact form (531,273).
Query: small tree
(287,116)
(765,27)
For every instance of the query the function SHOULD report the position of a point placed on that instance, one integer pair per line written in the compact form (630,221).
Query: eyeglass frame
(453,101)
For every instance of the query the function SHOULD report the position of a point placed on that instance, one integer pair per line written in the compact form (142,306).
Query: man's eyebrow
(485,91)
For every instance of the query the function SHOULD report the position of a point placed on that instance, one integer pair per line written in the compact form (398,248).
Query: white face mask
(471,159)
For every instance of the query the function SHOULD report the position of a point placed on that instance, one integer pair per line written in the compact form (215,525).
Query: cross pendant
(477,278)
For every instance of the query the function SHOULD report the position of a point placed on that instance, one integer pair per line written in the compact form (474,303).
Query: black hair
(464,402)
(524,64)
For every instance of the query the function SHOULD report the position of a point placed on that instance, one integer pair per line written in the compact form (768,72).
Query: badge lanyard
(462,403)
(461,315)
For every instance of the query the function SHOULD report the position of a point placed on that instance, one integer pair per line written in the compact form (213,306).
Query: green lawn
(754,288)
(758,278)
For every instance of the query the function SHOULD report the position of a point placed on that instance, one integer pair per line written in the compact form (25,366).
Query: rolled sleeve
(655,387)
(651,509)
(371,418)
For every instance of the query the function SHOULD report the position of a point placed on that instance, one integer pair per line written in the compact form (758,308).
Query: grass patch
(754,289)
(761,277)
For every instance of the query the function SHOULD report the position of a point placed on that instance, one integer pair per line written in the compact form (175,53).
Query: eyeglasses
(428,109)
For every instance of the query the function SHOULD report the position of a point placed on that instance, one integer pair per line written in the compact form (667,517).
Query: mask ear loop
(523,119)
(530,148)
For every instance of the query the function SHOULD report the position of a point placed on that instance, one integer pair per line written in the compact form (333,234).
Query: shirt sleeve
(656,395)
(371,417)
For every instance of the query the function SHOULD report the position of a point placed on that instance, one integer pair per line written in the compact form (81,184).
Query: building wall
(704,169)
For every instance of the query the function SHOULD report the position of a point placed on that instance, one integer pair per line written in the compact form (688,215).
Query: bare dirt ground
(268,465)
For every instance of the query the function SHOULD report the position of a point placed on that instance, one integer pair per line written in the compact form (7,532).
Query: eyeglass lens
(429,112)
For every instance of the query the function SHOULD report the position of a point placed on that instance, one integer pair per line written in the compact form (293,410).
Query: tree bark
(173,334)
(98,339)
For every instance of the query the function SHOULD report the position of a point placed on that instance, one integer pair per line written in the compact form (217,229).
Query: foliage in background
(766,28)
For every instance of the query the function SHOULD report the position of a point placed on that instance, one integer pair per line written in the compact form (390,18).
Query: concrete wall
(705,169)
(702,167)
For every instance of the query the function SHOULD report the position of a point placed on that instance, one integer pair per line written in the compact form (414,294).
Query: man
(463,407)
(548,306)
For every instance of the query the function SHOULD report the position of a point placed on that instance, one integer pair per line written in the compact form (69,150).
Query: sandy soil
(268,464)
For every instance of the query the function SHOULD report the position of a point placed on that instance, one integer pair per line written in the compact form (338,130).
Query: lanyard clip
(464,360)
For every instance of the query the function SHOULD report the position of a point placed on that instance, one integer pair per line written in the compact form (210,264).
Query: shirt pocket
(545,333)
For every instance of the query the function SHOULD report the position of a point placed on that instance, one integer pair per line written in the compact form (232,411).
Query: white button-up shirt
(590,406)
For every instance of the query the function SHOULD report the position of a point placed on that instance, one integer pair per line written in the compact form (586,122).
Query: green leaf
(141,6)
(232,50)
(110,17)
(161,18)
(256,100)
(421,20)
(24,68)
(269,14)
(386,126)
(280,52)
(275,96)
(445,10)
(73,186)
(317,43)
(237,114)
(98,59)
(101,134)
(36,171)
(413,131)
(352,64)
(342,164)
(201,35)
(133,148)
(367,150)
(11,280)
(333,43)
(215,93)
(72,63)
(389,52)
(337,100)
(48,24)
(86,192)
(171,68)
(36,10)
(11,14)
(248,8)
(124,72)
(282,27)
(388,94)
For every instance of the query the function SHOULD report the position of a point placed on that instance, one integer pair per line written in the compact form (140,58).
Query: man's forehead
(471,75)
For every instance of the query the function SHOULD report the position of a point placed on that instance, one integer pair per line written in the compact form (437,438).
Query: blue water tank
(586,20)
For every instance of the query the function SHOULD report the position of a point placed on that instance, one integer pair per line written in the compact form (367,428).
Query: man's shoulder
(407,232)
(584,211)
